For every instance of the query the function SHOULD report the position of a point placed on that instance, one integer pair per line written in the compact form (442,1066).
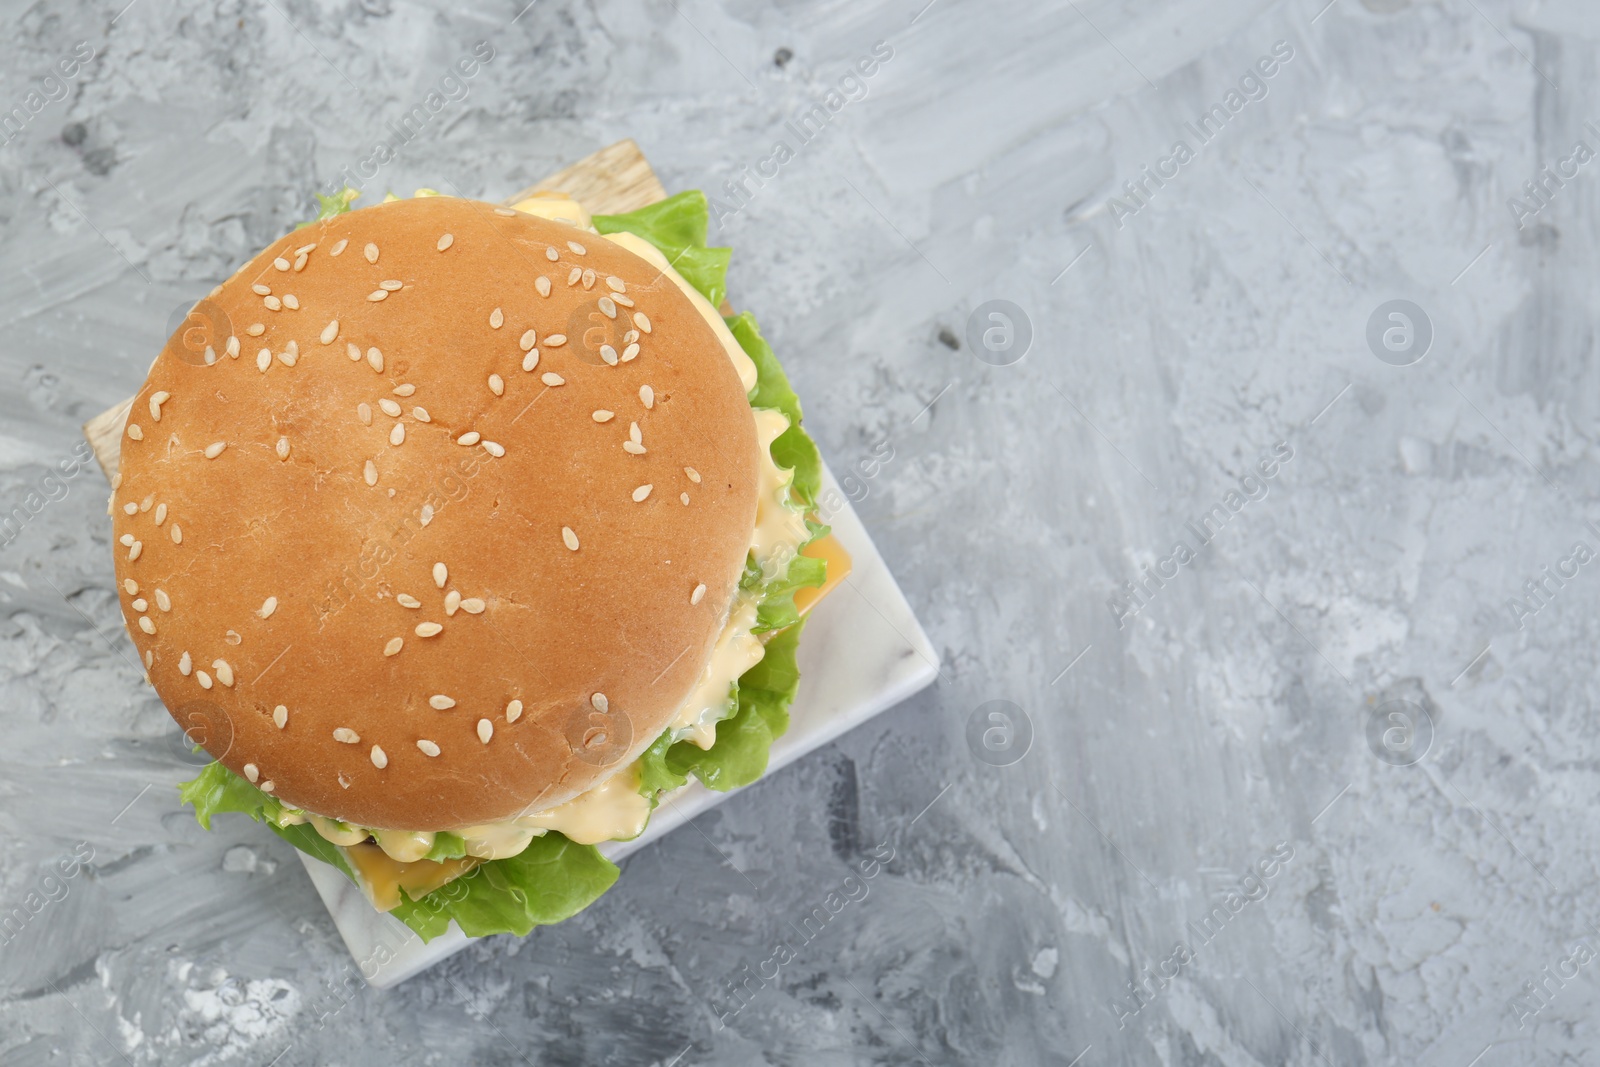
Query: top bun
(416,472)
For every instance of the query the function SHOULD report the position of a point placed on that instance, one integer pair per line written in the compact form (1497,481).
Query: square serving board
(863,650)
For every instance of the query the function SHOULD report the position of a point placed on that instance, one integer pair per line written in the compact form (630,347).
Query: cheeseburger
(460,534)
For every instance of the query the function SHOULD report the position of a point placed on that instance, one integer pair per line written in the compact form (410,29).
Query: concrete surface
(1321,791)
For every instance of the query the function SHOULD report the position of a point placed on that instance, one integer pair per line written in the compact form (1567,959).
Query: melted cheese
(832,552)
(556,207)
(736,651)
(614,810)
(381,878)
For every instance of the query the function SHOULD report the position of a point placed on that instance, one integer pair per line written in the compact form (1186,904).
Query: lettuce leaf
(744,740)
(677,226)
(551,880)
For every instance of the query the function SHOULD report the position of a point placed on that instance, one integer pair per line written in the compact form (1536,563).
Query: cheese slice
(830,550)
(381,878)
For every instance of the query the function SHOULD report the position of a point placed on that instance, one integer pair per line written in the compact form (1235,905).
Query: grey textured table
(1318,788)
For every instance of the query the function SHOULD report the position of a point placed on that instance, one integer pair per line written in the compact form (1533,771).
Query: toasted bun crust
(599,642)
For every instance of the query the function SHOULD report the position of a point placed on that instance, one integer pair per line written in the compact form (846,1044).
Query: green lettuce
(677,226)
(551,880)
(744,740)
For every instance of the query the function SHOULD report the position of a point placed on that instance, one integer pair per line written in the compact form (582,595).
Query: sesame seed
(203,678)
(210,355)
(281,263)
(445,242)
(149,661)
(497,385)
(346,736)
(528,339)
(514,711)
(633,433)
(352,351)
(441,575)
(163,601)
(452,602)
(551,378)
(263,360)
(390,285)
(405,389)
(699,592)
(224,672)
(647,396)
(507,212)
(305,249)
(291,301)
(471,437)
(337,248)
(161,514)
(608,354)
(214,449)
(531,360)
(130,508)
(555,340)
(378,294)
(397,435)
(272,303)
(300,262)
(641,320)
(156,400)
(252,772)
(574,277)
(185,665)
(633,448)
(268,606)
(640,493)
(494,449)
(146,625)
(421,415)
(599,702)
(283,448)
(625,301)
(126,540)
(607,306)
(569,538)
(428,747)
(615,284)
(406,600)
(232,637)
(280,716)
(177,534)
(375,360)
(393,647)
(577,248)
(266,787)
(389,408)
(135,432)
(694,475)
(472,605)
(144,505)
(364,413)
(255,329)
(685,498)
(261,290)
(542,284)
(330,331)
(371,252)
(497,319)
(426,515)
(129,585)
(440,702)
(288,358)
(380,759)
(630,353)
(603,415)
(370,473)
(428,629)
(485,730)
(630,337)
(588,279)
(551,254)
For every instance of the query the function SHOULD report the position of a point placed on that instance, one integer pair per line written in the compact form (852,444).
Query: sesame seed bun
(275,518)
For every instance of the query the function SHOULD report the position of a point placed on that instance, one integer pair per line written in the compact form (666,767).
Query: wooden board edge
(616,179)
